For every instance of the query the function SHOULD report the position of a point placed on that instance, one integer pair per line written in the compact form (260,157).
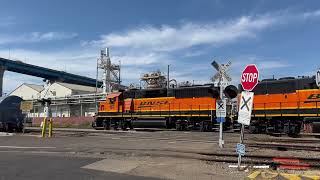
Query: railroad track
(284,147)
(287,140)
(249,159)
(273,161)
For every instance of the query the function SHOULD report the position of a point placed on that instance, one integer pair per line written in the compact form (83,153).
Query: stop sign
(249,77)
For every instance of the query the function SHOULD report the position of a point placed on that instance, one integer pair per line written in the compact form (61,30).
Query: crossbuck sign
(221,108)
(245,108)
(222,71)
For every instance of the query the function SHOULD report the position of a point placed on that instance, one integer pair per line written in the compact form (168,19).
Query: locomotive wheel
(115,126)
(7,128)
(178,127)
(253,129)
(202,126)
(106,124)
(124,125)
(205,126)
(168,124)
(182,125)
(19,127)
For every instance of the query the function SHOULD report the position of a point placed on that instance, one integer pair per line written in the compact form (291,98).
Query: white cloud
(311,14)
(137,59)
(272,64)
(170,38)
(189,34)
(36,37)
(192,53)
(150,48)
(76,61)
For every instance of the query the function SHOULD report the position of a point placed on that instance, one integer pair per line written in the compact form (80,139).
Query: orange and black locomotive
(181,108)
(286,105)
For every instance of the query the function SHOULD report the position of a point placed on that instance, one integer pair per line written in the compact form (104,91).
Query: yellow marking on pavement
(270,175)
(312,177)
(291,176)
(254,175)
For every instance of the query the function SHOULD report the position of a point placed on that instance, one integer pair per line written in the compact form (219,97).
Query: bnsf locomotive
(286,106)
(180,108)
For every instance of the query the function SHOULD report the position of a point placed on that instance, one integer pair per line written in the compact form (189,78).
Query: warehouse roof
(36,87)
(78,87)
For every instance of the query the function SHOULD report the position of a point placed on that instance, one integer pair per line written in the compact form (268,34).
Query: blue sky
(281,37)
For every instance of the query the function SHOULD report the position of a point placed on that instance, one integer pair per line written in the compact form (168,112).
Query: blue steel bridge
(42,72)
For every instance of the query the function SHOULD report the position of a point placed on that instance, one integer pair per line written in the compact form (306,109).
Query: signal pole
(221,141)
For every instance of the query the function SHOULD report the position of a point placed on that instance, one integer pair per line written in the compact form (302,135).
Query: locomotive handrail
(282,108)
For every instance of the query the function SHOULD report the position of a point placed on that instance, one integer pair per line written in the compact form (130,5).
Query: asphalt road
(121,155)
(24,166)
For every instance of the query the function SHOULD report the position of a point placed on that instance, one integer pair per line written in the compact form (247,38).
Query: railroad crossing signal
(220,76)
(249,77)
(222,71)
(246,102)
(318,78)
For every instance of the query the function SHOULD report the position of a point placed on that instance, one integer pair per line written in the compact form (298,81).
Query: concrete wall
(25,92)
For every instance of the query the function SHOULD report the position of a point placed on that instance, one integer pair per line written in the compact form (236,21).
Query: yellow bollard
(44,127)
(50,127)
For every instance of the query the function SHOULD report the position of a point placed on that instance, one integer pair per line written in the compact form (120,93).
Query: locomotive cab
(113,103)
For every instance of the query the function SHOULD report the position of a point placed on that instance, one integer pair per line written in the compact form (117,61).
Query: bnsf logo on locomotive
(313,97)
(152,103)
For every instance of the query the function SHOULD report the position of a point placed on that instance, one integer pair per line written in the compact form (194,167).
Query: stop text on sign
(249,77)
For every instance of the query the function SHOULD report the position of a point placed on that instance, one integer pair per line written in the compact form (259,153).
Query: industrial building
(71,95)
(67,99)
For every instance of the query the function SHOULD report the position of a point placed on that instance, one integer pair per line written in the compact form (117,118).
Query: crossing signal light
(230,91)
